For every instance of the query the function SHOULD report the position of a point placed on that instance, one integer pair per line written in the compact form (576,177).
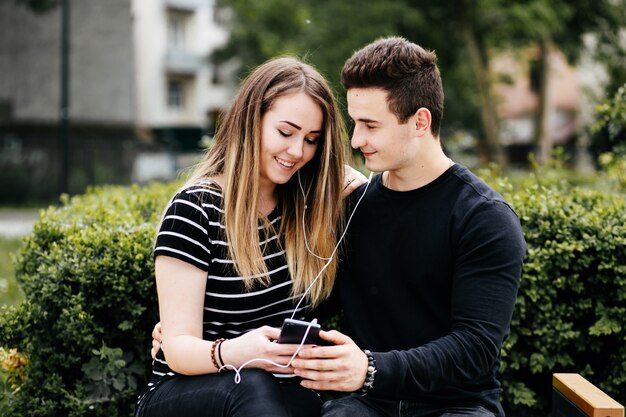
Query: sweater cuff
(386,380)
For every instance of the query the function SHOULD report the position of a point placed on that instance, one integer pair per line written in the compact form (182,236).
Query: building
(180,35)
(142,91)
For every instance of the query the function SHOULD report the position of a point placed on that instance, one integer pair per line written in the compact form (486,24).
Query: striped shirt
(193,231)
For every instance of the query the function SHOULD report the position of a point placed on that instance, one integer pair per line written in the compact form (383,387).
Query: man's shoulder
(481,211)
(476,187)
(478,196)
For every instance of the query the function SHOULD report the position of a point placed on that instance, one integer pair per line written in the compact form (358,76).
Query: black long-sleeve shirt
(428,283)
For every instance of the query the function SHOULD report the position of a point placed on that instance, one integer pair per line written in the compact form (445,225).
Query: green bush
(90,301)
(81,337)
(570,310)
(10,293)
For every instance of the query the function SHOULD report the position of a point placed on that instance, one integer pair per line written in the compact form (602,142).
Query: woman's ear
(422,120)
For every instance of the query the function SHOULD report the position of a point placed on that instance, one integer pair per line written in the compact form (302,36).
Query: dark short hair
(406,71)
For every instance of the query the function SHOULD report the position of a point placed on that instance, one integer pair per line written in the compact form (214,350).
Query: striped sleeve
(184,232)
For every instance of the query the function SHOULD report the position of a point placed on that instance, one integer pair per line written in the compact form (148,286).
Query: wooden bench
(574,396)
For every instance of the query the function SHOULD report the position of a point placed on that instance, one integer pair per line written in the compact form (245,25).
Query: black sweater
(428,283)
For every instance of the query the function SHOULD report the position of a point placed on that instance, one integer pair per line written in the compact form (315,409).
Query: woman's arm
(181,288)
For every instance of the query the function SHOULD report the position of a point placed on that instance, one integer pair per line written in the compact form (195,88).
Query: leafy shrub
(570,310)
(90,301)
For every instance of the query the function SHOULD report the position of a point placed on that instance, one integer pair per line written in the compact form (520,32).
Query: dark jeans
(368,406)
(258,394)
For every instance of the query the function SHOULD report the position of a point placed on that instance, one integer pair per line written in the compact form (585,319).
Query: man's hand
(353,179)
(342,367)
(156,340)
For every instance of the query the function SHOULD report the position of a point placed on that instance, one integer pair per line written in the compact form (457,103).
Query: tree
(316,30)
(473,21)
(260,30)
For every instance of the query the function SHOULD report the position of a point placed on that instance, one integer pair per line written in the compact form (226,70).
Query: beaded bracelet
(213,346)
(219,351)
(371,371)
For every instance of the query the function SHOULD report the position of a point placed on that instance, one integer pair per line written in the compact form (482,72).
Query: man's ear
(422,119)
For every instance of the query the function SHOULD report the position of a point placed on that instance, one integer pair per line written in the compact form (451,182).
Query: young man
(432,263)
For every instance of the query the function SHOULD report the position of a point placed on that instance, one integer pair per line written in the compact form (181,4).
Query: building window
(176,29)
(176,94)
(222,15)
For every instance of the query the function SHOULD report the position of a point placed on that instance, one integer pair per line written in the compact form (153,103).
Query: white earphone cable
(328,261)
(287,365)
(345,230)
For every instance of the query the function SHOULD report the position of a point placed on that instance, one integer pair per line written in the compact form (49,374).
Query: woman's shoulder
(202,197)
(204,191)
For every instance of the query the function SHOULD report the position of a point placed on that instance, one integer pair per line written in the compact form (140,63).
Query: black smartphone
(293,332)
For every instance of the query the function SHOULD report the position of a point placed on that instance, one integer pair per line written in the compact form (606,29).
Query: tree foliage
(612,117)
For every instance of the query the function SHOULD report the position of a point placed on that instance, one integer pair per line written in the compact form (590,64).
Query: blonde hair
(235,158)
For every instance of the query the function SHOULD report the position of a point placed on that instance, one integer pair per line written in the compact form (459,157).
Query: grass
(10,292)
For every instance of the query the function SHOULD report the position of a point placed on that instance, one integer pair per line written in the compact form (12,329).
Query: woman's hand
(353,179)
(259,344)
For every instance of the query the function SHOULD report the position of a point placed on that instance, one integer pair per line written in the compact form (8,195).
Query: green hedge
(87,274)
(571,306)
(82,335)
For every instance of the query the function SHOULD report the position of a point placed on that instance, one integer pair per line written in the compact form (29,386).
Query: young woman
(231,256)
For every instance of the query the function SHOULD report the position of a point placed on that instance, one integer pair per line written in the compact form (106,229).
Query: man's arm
(486,277)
